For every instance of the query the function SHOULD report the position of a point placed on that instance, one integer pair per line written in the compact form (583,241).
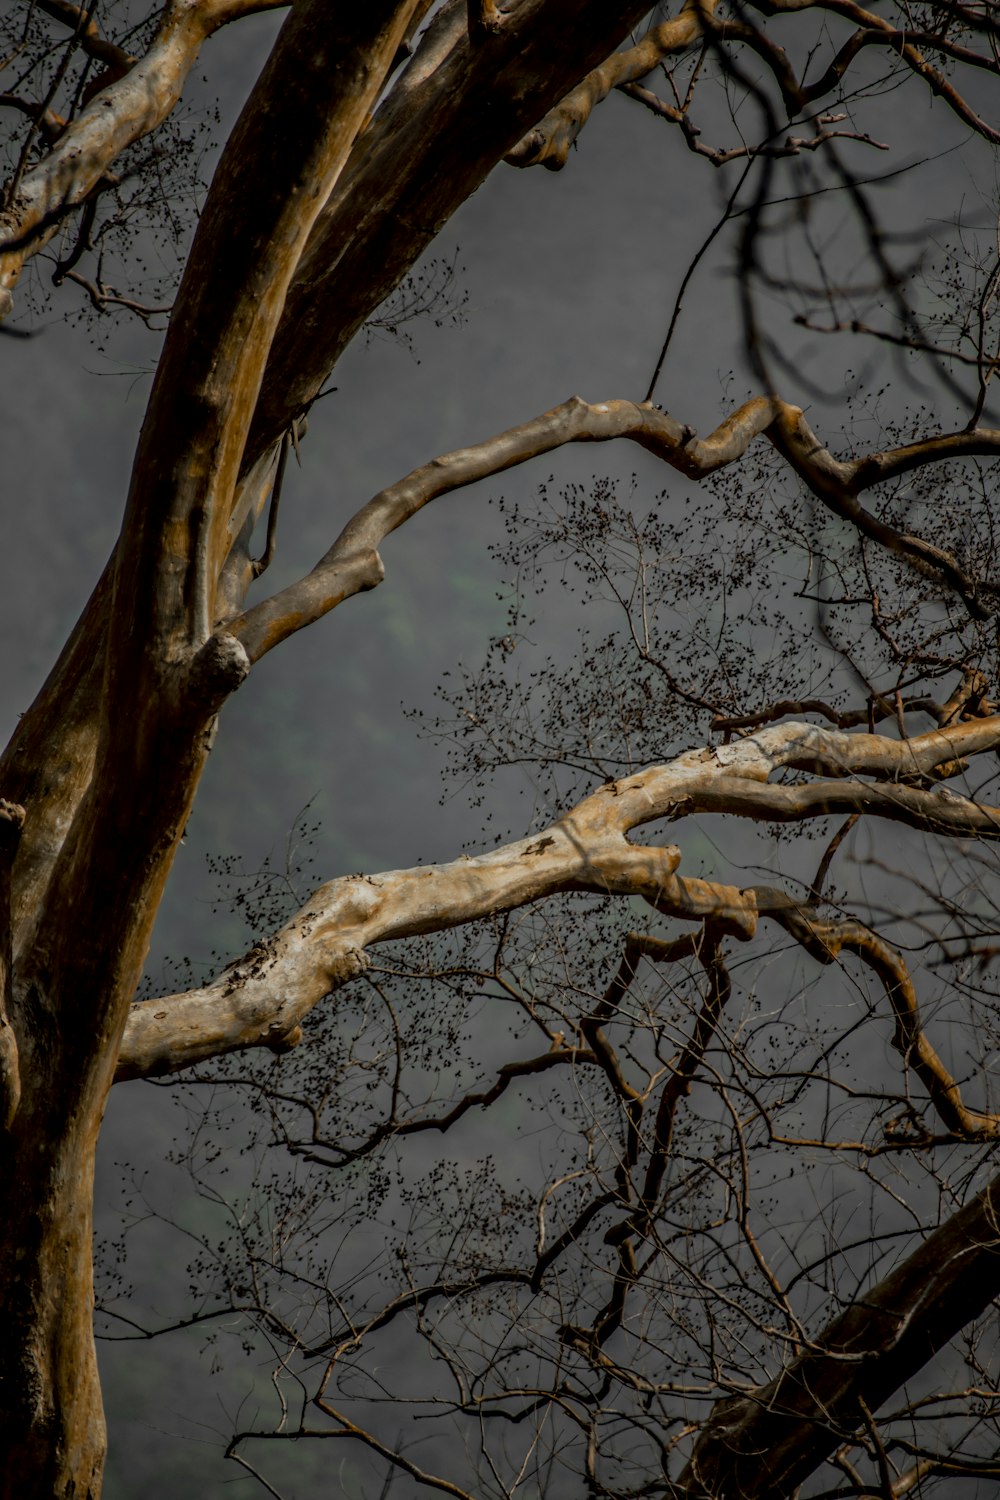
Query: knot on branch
(218,669)
(346,965)
(279,1041)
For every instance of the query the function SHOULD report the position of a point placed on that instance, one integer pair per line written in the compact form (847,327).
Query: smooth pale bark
(353,564)
(261,999)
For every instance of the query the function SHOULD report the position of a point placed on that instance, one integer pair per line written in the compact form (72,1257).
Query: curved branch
(261,1000)
(825,941)
(126,110)
(352,564)
(291,143)
(551,140)
(87,34)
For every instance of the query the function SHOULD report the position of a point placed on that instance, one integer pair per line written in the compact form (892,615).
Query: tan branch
(124,111)
(352,563)
(935,810)
(87,34)
(261,1000)
(551,140)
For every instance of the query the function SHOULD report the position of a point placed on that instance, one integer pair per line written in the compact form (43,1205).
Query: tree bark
(163,675)
(761,1445)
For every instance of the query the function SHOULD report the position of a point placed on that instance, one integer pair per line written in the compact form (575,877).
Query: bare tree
(624,1307)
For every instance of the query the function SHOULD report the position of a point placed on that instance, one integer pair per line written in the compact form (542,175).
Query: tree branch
(261,999)
(883,1339)
(430,145)
(549,143)
(292,140)
(825,941)
(352,563)
(125,111)
(87,34)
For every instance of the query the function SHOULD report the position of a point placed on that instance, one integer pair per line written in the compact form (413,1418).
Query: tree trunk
(52,1435)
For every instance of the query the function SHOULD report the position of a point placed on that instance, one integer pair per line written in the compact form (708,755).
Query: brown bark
(317,212)
(461,105)
(165,677)
(762,1444)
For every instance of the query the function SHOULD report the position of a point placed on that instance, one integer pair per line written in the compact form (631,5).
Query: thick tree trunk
(68,1003)
(52,1435)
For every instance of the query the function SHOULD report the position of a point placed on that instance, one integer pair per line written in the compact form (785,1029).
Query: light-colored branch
(261,1000)
(551,140)
(353,563)
(936,810)
(123,112)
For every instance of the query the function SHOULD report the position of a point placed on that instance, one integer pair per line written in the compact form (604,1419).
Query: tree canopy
(645,1150)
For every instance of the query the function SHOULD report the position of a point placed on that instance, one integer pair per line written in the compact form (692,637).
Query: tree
(751,1360)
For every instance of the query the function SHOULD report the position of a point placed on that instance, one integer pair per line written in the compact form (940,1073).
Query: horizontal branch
(262,999)
(352,564)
